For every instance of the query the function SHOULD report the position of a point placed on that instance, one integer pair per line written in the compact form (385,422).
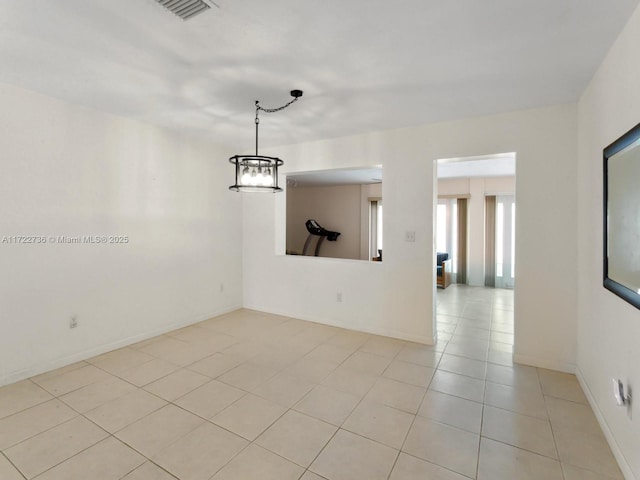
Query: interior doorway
(474,221)
(475,230)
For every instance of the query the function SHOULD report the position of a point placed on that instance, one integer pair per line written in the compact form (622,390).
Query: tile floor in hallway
(251,396)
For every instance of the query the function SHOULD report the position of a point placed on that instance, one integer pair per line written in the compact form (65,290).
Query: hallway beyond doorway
(533,423)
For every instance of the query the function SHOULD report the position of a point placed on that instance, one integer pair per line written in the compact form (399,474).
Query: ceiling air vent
(185,9)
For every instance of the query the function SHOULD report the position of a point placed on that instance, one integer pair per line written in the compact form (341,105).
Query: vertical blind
(490,241)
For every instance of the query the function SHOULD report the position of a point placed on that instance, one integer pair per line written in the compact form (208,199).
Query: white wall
(476,188)
(67,170)
(395,297)
(609,328)
(335,208)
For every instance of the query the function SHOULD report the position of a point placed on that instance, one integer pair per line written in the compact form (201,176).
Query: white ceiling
(339,176)
(502,165)
(364,64)
(499,165)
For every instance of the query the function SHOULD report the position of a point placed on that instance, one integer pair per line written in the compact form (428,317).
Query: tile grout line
(553,435)
(436,368)
(404,441)
(354,408)
(13,465)
(250,441)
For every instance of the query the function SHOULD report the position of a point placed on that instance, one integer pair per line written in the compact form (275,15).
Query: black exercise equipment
(315,230)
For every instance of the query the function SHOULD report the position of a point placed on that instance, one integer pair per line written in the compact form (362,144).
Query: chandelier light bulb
(267,181)
(259,177)
(246,177)
(253,180)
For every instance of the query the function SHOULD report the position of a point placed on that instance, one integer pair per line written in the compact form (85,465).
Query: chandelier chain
(272,110)
(269,110)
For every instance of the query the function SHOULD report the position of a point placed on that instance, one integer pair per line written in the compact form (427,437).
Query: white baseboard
(47,366)
(611,440)
(423,339)
(544,363)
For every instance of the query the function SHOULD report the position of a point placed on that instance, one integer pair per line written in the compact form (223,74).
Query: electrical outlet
(410,236)
(73,323)
(339,297)
(623,398)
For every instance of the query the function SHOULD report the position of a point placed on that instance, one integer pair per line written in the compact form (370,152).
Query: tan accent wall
(334,208)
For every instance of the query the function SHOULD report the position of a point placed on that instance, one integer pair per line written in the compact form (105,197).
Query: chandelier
(257,173)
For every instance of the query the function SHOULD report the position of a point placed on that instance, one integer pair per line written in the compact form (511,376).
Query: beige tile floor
(250,396)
